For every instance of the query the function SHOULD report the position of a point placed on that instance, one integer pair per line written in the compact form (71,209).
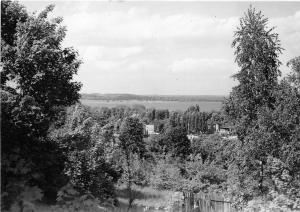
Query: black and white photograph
(150,106)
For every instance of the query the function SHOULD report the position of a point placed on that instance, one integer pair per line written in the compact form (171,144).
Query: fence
(202,202)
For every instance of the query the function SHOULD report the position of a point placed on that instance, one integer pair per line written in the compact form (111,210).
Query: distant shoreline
(179,98)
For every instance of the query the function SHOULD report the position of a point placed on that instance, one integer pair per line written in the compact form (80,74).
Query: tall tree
(132,144)
(38,65)
(257,49)
(36,79)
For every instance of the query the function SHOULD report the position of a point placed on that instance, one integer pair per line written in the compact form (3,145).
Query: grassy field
(148,199)
(170,105)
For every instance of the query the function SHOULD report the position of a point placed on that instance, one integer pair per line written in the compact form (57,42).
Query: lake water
(170,105)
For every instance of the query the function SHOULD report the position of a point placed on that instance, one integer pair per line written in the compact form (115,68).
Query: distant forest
(182,98)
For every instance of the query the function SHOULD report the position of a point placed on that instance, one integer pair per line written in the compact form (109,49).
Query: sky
(164,47)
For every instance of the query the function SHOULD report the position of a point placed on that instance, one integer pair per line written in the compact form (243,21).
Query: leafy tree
(131,136)
(36,80)
(194,108)
(279,135)
(11,14)
(294,77)
(167,175)
(257,49)
(203,176)
(89,165)
(155,144)
(193,120)
(37,64)
(283,132)
(265,113)
(132,145)
(176,142)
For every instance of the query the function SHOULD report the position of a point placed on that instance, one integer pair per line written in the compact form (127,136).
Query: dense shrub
(88,165)
(166,175)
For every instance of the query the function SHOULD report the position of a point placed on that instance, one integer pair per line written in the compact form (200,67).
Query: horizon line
(154,94)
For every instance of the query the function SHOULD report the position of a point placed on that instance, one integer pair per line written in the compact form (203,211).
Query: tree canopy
(36,80)
(258,107)
(257,49)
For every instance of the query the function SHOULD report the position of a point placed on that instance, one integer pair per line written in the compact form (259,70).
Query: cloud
(206,66)
(110,53)
(137,25)
(288,28)
(122,61)
(134,46)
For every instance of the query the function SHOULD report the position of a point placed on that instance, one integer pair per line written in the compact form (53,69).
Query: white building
(149,129)
(192,137)
(222,129)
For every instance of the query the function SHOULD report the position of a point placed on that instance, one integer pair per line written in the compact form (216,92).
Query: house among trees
(149,129)
(191,137)
(223,129)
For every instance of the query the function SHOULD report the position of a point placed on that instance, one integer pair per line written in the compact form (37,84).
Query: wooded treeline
(56,151)
(193,120)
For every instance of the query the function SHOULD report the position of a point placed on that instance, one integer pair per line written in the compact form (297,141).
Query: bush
(166,176)
(88,166)
(70,200)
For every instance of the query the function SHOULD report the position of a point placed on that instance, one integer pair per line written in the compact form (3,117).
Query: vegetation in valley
(160,105)
(58,152)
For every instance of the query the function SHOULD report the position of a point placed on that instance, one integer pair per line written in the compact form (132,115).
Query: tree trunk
(129,182)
